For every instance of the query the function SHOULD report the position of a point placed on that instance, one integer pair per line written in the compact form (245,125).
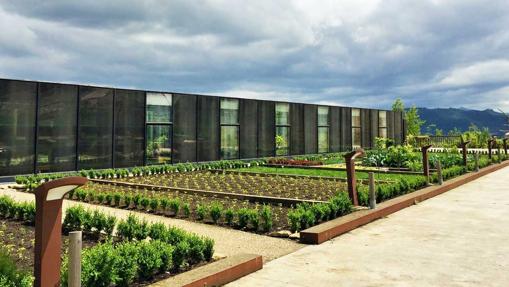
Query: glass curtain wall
(323,129)
(229,119)
(382,124)
(282,129)
(159,119)
(356,128)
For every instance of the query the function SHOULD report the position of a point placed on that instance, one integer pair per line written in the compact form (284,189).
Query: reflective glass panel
(382,119)
(323,139)
(229,111)
(356,117)
(356,137)
(282,114)
(159,108)
(229,142)
(158,147)
(282,140)
(323,116)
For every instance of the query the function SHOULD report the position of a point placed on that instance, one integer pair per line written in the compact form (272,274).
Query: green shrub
(175,206)
(154,204)
(254,219)
(187,209)
(164,202)
(116,198)
(128,198)
(100,198)
(149,259)
(136,200)
(229,215)
(208,251)
(158,231)
(74,218)
(10,276)
(201,211)
(216,210)
(266,215)
(128,266)
(180,254)
(294,219)
(144,202)
(243,215)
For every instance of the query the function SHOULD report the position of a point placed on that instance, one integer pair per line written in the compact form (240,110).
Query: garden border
(249,197)
(216,273)
(330,229)
(409,172)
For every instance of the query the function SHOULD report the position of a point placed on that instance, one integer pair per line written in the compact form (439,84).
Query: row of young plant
(138,252)
(32,181)
(250,218)
(306,215)
(20,211)
(386,191)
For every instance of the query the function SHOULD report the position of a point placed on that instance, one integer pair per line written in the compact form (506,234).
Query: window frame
(355,127)
(286,126)
(382,127)
(221,125)
(322,126)
(157,123)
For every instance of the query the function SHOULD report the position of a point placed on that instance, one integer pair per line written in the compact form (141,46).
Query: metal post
(490,145)
(439,173)
(372,194)
(499,154)
(476,157)
(505,146)
(464,152)
(75,243)
(350,174)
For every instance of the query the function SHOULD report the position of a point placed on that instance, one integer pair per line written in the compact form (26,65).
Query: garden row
(126,257)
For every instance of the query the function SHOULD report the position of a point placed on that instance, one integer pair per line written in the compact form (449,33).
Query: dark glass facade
(48,127)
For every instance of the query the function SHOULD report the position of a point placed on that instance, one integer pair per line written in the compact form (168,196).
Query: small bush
(187,209)
(216,210)
(229,215)
(175,206)
(243,215)
(201,211)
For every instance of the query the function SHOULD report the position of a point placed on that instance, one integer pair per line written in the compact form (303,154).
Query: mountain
(461,118)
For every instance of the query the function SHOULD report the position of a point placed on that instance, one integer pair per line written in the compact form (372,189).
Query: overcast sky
(353,52)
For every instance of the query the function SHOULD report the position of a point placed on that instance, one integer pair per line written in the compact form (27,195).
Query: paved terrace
(459,238)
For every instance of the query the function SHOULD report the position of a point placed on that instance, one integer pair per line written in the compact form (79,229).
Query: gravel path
(228,241)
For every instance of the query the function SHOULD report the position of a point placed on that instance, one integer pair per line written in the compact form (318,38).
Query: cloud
(356,52)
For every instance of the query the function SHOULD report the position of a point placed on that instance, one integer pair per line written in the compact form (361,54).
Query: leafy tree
(398,105)
(414,121)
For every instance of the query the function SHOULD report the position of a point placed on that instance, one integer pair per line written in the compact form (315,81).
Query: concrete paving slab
(459,238)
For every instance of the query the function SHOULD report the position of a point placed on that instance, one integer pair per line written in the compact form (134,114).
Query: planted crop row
(159,203)
(32,181)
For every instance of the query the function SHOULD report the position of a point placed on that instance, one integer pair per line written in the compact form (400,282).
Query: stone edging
(217,273)
(330,229)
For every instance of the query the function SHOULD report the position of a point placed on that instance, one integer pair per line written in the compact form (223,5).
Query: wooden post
(464,151)
(490,145)
(425,161)
(505,146)
(75,243)
(476,157)
(372,194)
(439,173)
(350,174)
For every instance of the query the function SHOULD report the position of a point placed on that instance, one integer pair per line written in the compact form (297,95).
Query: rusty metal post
(425,161)
(490,145)
(350,174)
(48,229)
(505,145)
(464,151)
(372,192)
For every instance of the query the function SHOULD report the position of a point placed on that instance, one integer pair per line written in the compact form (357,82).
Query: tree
(414,121)
(398,105)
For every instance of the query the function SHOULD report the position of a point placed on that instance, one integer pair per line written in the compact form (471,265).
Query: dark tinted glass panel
(159,108)
(158,148)
(323,139)
(373,123)
(390,124)
(184,128)
(346,129)
(129,128)
(229,111)
(398,130)
(282,139)
(56,141)
(297,134)
(282,114)
(17,126)
(335,129)
(208,128)
(365,128)
(229,142)
(310,129)
(248,129)
(266,128)
(95,127)
(323,116)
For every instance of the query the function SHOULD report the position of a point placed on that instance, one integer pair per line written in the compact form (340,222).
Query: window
(229,119)
(159,125)
(356,128)
(282,129)
(323,129)
(382,124)
(129,128)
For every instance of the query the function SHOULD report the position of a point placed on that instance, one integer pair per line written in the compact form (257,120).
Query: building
(49,127)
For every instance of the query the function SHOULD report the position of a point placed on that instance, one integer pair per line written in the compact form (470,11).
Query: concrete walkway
(228,241)
(460,238)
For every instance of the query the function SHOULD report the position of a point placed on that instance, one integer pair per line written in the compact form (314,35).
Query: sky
(363,53)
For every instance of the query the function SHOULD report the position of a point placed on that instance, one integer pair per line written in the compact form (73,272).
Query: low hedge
(386,191)
(10,276)
(91,222)
(306,215)
(22,211)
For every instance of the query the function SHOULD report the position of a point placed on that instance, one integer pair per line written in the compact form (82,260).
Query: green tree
(414,121)
(398,105)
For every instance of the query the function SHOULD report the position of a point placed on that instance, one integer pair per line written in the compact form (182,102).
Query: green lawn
(317,172)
